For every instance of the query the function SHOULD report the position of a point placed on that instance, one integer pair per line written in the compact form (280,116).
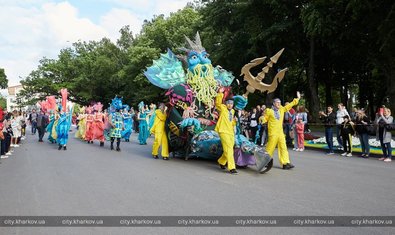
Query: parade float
(192,116)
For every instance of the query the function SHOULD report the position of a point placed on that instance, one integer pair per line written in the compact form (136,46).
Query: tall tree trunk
(314,102)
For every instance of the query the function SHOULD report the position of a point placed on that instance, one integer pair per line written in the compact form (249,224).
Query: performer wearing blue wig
(143,126)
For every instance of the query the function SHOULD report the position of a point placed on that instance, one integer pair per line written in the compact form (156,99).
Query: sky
(33,29)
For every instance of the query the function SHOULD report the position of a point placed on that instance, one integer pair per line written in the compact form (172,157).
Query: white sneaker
(344,154)
(388,160)
(8,154)
(12,145)
(16,145)
(301,150)
(349,155)
(295,149)
(3,156)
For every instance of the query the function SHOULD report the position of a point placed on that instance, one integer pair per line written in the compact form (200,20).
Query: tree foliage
(3,79)
(335,51)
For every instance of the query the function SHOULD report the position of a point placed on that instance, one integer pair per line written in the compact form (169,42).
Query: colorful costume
(143,126)
(89,125)
(192,116)
(64,122)
(80,133)
(98,124)
(158,129)
(225,128)
(128,123)
(115,121)
(274,119)
(62,130)
(49,128)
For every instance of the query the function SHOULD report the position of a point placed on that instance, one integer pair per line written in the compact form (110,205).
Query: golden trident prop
(255,83)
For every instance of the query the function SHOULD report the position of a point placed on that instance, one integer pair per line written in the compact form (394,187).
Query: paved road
(93,181)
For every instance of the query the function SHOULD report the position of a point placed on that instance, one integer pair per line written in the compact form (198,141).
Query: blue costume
(116,121)
(143,125)
(62,129)
(128,123)
(49,128)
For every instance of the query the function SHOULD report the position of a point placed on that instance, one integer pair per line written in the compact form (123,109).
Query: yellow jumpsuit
(158,129)
(225,129)
(276,132)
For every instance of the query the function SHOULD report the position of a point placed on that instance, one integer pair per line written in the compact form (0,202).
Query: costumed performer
(158,129)
(89,125)
(226,130)
(116,122)
(274,118)
(128,122)
(143,126)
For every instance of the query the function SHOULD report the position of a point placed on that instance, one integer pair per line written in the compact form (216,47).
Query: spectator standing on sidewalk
(341,112)
(347,131)
(361,121)
(329,119)
(383,118)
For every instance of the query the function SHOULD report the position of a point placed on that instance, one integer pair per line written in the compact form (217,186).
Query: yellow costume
(225,129)
(158,129)
(81,127)
(276,133)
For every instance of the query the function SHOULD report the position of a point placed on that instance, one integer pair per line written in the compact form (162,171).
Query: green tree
(3,79)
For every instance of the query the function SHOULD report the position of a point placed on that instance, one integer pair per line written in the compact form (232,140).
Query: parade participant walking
(329,119)
(116,122)
(158,129)
(143,125)
(383,119)
(274,117)
(62,129)
(225,128)
(89,125)
(98,124)
(128,122)
(50,126)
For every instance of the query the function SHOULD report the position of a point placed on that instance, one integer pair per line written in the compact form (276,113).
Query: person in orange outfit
(158,129)
(225,128)
(274,118)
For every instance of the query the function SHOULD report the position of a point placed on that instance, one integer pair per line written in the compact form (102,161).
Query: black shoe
(233,172)
(155,156)
(222,166)
(166,158)
(288,166)
(112,147)
(118,149)
(60,147)
(101,144)
(64,148)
